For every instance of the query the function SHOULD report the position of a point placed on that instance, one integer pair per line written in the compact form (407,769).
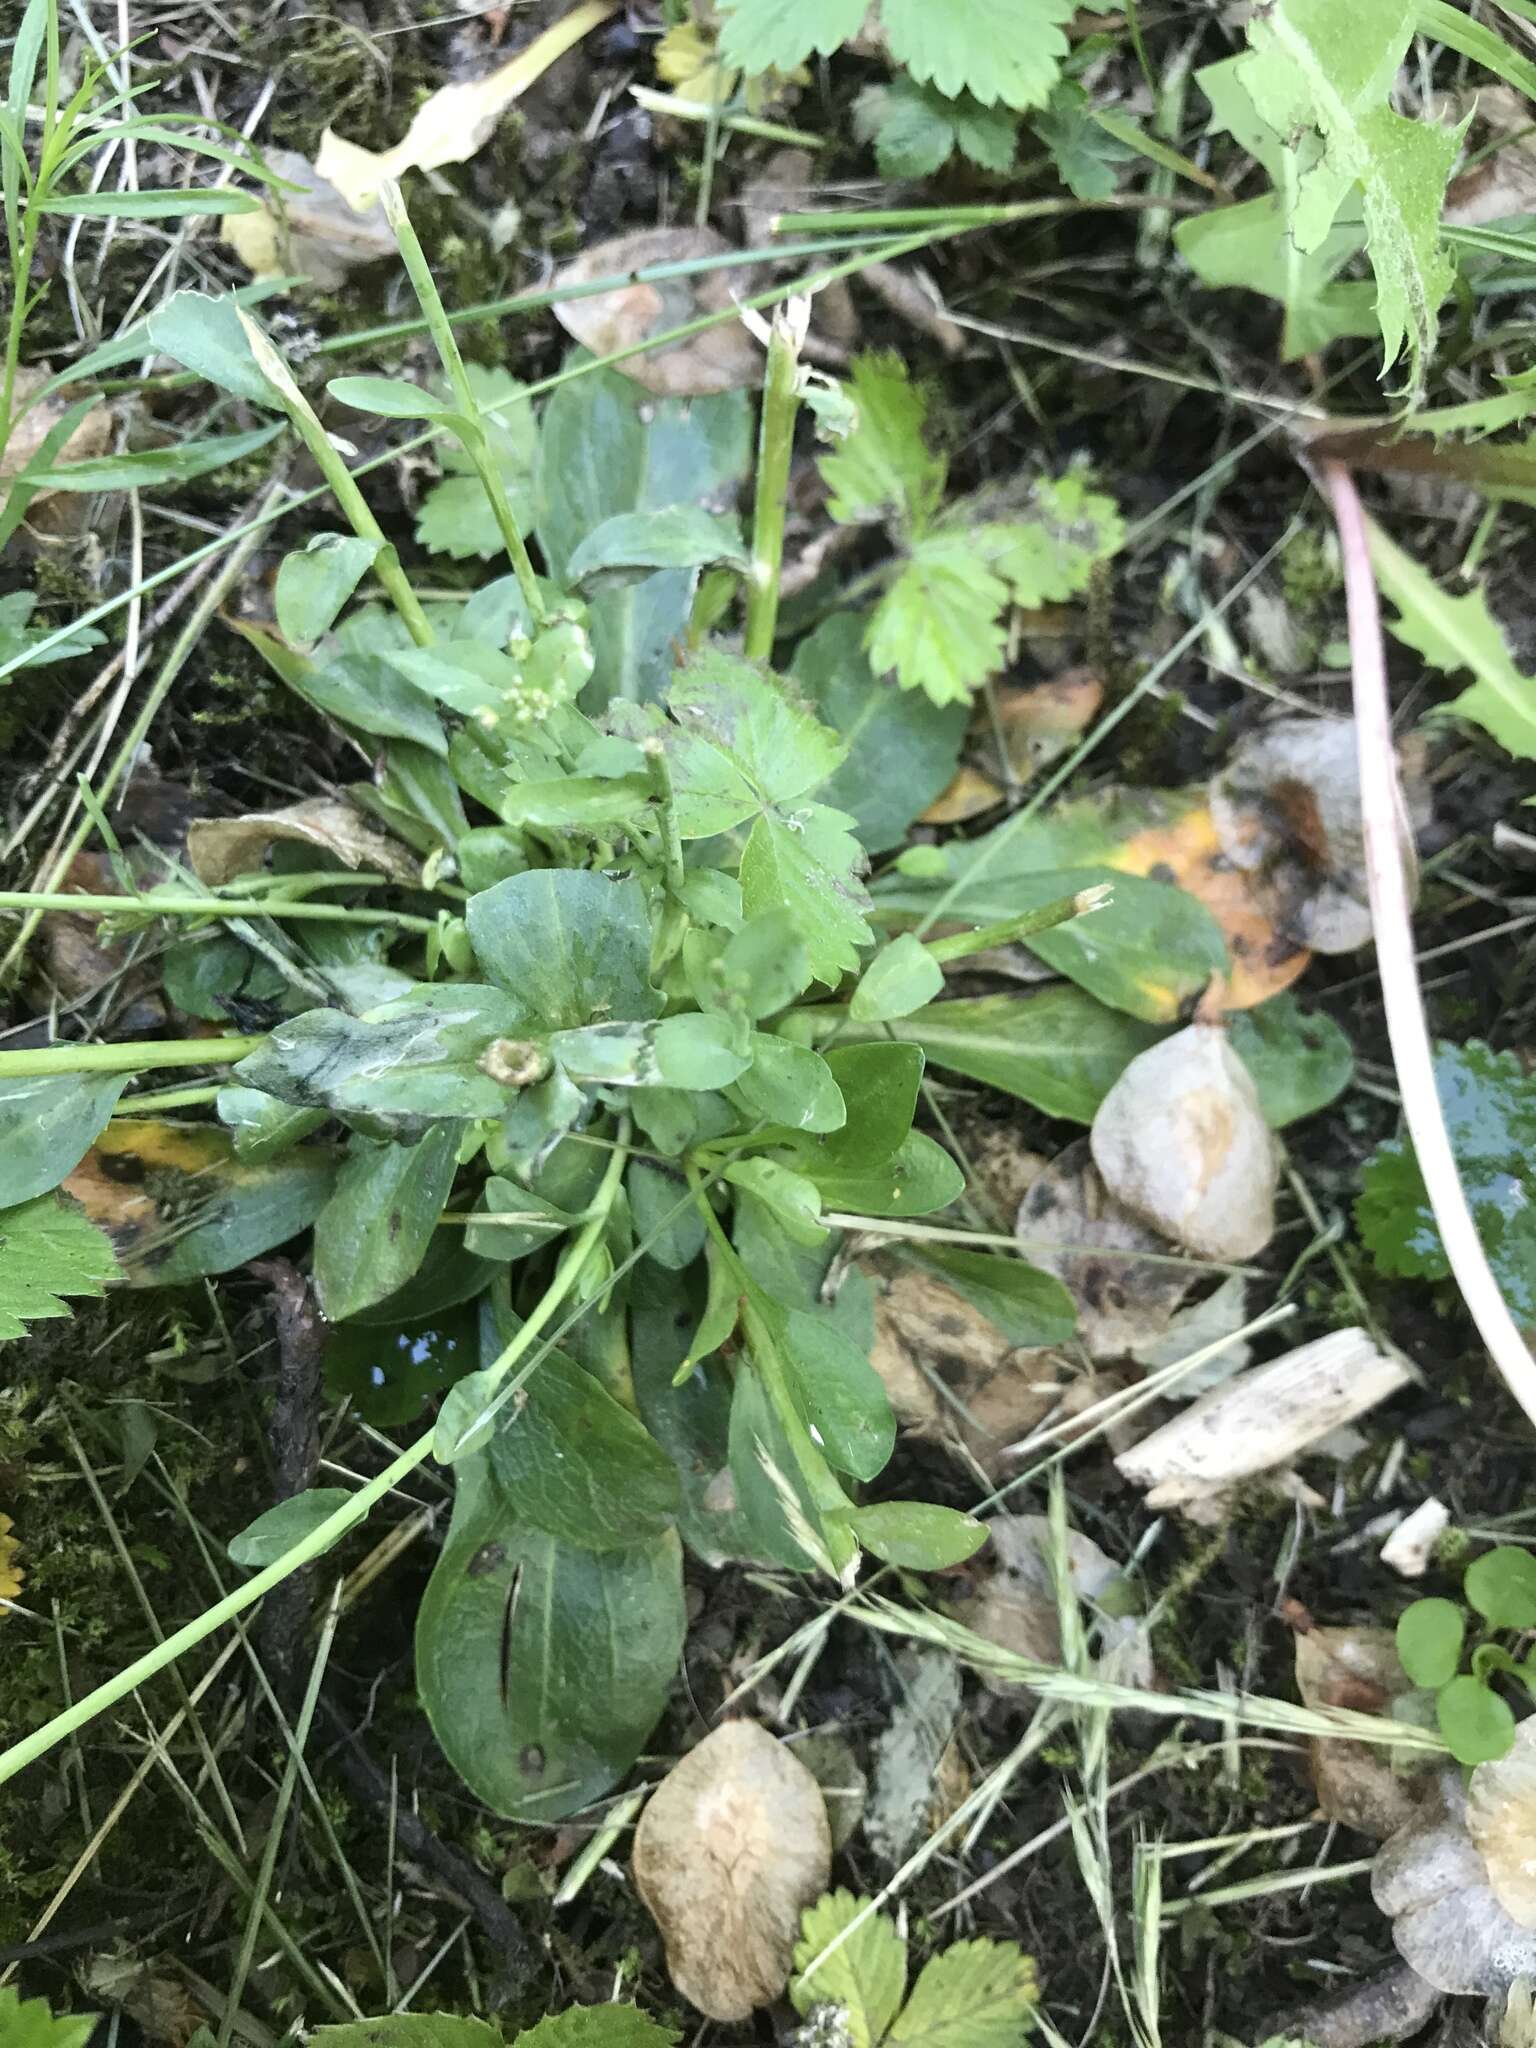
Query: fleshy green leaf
(840,1394)
(142,468)
(917,1534)
(902,749)
(1429,1640)
(1489,1104)
(1299,1059)
(46,1128)
(689,1051)
(790,1196)
(607,448)
(865,1974)
(670,537)
(789,1085)
(578,1465)
(48,1251)
(1059,1050)
(977,1994)
(205,336)
(391,398)
(372,1233)
(276,1532)
(569,944)
(405,1064)
(543,1666)
(901,978)
(314,584)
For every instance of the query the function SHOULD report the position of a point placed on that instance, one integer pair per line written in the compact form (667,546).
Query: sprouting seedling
(1476,1721)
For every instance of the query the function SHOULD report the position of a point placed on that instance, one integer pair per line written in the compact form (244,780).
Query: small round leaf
(1477,1725)
(1502,1587)
(1429,1638)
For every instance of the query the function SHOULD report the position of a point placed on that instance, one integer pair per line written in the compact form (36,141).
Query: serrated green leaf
(762,747)
(778,35)
(1086,156)
(1489,1104)
(411,2030)
(48,1251)
(1460,635)
(977,1994)
(808,863)
(1250,247)
(1325,76)
(937,627)
(909,126)
(883,468)
(865,1974)
(1008,50)
(597,2026)
(27,2023)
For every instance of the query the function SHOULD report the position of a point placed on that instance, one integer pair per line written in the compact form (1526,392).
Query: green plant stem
(386,564)
(205,906)
(673,922)
(208,604)
(960,945)
(470,431)
(775,445)
(157,1100)
(131,1057)
(335,1526)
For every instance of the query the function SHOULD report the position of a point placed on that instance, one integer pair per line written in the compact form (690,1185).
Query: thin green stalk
(470,431)
(157,1100)
(205,906)
(673,921)
(245,544)
(130,1057)
(277,1826)
(343,486)
(775,445)
(329,1532)
(960,945)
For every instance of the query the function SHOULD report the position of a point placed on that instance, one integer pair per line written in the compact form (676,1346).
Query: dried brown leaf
(220,848)
(1357,1668)
(733,1845)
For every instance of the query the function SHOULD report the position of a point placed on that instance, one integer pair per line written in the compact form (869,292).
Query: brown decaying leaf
(1122,1303)
(1039,721)
(969,793)
(221,848)
(1188,850)
(1357,1668)
(1015,1605)
(723,358)
(89,437)
(951,1375)
(733,1845)
(1286,809)
(1181,1140)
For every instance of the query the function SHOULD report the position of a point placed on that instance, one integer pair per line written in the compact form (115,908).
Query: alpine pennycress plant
(574,1032)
